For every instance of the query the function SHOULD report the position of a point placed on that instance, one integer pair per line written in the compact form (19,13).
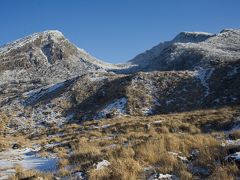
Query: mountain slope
(46,79)
(47,56)
(190,51)
(64,111)
(106,95)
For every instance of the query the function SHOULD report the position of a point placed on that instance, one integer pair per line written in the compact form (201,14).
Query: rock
(147,127)
(200,171)
(114,130)
(194,155)
(235,157)
(78,175)
(16,146)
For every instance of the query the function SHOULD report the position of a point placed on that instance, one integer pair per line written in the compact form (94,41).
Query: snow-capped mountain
(189,51)
(49,87)
(46,56)
(45,78)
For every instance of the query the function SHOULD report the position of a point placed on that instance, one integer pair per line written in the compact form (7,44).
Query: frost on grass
(118,107)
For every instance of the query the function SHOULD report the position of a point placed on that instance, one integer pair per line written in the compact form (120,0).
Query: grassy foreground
(187,145)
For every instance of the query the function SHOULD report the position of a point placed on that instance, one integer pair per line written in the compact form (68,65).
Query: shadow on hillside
(188,94)
(106,93)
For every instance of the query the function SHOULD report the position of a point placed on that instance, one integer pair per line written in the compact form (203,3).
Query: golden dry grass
(132,143)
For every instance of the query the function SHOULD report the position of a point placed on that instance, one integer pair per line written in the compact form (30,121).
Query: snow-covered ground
(160,176)
(26,158)
(102,164)
(35,95)
(118,106)
(204,75)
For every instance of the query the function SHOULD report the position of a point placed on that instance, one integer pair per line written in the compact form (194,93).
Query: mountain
(172,112)
(42,59)
(190,51)
(47,57)
(45,78)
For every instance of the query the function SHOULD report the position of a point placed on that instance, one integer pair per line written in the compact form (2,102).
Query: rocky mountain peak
(185,37)
(46,55)
(189,51)
(229,30)
(35,39)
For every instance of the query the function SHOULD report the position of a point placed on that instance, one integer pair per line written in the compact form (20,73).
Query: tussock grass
(132,143)
(30,174)
(235,135)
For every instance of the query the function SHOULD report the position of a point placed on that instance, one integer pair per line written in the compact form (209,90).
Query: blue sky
(116,30)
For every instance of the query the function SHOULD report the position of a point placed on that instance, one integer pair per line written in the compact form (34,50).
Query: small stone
(16,146)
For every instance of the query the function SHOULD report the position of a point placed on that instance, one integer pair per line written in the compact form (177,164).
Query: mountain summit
(189,51)
(47,56)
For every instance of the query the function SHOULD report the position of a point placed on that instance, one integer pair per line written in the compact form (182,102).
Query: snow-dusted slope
(189,51)
(184,37)
(46,79)
(47,56)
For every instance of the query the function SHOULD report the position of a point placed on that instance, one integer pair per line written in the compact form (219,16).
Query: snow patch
(182,158)
(231,142)
(118,106)
(160,176)
(203,75)
(106,126)
(147,110)
(26,158)
(158,122)
(34,96)
(93,79)
(234,156)
(102,164)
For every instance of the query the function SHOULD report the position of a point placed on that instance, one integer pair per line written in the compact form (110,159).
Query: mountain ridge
(41,55)
(186,46)
(60,83)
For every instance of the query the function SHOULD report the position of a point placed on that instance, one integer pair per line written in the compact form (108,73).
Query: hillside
(190,51)
(45,57)
(65,112)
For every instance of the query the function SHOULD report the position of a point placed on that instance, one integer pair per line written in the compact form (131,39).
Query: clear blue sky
(116,30)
